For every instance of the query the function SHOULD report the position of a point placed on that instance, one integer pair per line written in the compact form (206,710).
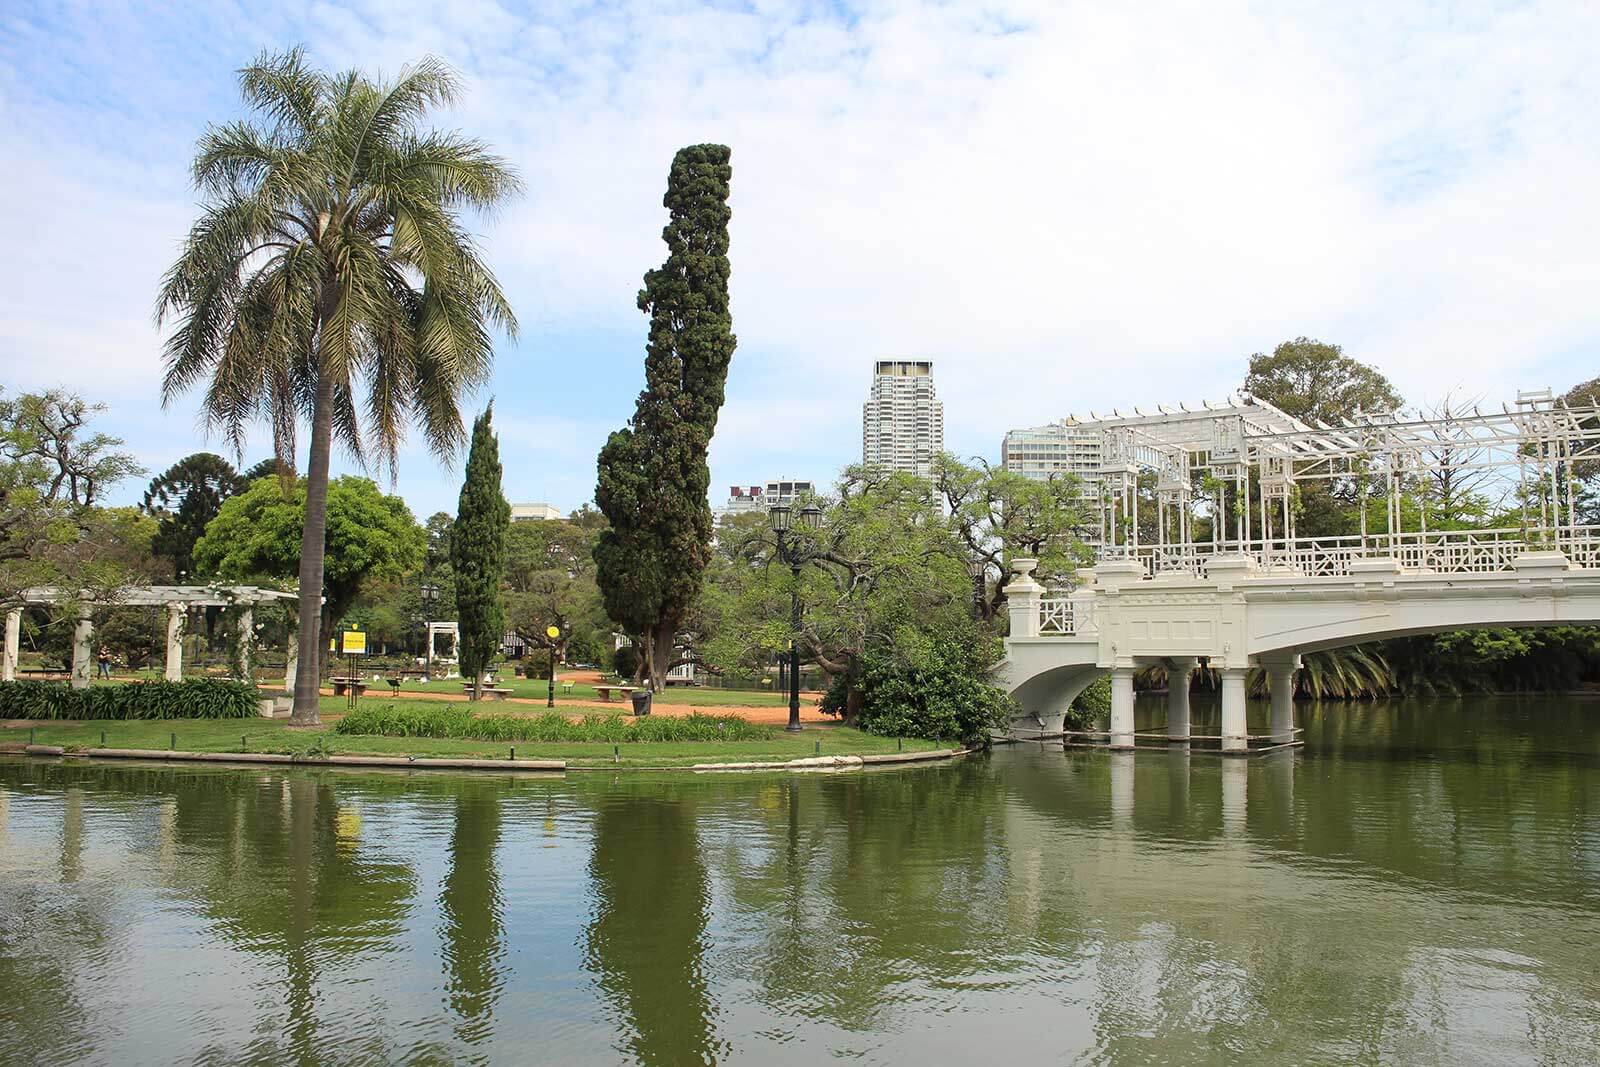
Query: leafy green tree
(931,683)
(478,553)
(550,582)
(886,563)
(330,278)
(1316,382)
(653,477)
(999,515)
(184,498)
(53,472)
(256,537)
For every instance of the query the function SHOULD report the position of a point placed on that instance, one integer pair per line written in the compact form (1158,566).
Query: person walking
(103,663)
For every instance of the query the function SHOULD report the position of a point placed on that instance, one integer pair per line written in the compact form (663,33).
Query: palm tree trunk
(308,682)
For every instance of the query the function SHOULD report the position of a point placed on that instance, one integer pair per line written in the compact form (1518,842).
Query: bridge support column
(1234,732)
(1280,679)
(1122,707)
(1178,698)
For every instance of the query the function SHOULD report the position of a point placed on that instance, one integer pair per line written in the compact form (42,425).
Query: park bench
(45,674)
(343,686)
(605,691)
(489,692)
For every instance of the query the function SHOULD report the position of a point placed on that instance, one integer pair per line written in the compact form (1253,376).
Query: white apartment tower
(902,422)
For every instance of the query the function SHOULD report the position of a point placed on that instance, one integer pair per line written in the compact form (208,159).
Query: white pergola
(1253,456)
(177,599)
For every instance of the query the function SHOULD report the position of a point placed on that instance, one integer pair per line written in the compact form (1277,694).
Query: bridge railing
(1063,615)
(1443,551)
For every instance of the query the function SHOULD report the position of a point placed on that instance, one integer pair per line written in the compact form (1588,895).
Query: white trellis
(1240,464)
(176,599)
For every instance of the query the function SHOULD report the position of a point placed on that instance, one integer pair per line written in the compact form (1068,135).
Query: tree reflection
(645,943)
(278,864)
(472,926)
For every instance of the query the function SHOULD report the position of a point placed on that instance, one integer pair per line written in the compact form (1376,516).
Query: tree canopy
(53,471)
(184,498)
(550,582)
(256,537)
(1317,382)
(331,278)
(478,553)
(653,477)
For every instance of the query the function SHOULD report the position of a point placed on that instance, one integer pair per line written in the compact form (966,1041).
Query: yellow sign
(354,643)
(552,632)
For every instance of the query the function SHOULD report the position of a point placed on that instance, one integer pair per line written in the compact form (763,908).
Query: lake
(1419,883)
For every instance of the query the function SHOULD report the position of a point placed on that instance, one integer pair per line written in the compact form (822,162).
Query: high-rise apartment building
(745,499)
(902,422)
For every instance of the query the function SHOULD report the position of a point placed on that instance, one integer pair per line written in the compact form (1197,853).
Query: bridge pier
(1235,735)
(1280,681)
(1178,675)
(1122,707)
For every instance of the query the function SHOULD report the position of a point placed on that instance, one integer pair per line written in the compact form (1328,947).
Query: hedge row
(194,698)
(456,721)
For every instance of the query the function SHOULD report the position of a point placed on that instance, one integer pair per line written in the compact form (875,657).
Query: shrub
(626,661)
(459,722)
(934,686)
(195,698)
(1090,704)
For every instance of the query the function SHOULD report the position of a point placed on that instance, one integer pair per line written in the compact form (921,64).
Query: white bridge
(1261,598)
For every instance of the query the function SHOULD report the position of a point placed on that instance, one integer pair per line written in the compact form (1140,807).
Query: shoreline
(832,763)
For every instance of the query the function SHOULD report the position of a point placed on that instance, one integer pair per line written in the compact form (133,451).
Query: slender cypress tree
(653,477)
(478,553)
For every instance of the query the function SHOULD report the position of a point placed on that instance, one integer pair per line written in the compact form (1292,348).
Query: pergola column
(1280,680)
(175,614)
(13,643)
(1234,733)
(292,663)
(1122,707)
(1178,697)
(247,634)
(82,636)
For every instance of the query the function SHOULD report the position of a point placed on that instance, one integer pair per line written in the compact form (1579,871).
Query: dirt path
(809,712)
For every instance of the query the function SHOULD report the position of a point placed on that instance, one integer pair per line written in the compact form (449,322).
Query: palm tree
(328,277)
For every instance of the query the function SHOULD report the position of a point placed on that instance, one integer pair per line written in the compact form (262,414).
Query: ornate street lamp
(554,634)
(782,516)
(430,597)
(977,569)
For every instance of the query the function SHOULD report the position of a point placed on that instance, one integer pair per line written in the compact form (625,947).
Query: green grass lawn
(264,735)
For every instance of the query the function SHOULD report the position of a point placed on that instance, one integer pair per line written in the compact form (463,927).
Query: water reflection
(470,911)
(1419,884)
(644,943)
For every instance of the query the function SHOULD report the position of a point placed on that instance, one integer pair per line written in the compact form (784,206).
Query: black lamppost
(796,557)
(554,634)
(430,597)
(980,590)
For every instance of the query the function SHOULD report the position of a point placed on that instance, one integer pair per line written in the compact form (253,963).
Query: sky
(1066,206)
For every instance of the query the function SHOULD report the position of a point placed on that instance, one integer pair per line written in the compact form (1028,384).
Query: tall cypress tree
(653,475)
(478,553)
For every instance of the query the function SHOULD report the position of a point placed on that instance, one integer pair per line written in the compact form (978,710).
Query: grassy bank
(263,735)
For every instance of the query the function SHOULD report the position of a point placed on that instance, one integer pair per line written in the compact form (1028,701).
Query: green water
(1420,884)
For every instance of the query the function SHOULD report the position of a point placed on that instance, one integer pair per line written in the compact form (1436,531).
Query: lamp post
(430,597)
(782,517)
(553,633)
(976,569)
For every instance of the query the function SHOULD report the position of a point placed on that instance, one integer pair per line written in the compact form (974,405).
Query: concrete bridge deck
(1234,612)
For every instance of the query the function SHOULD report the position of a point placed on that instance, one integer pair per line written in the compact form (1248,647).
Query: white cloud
(1065,208)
